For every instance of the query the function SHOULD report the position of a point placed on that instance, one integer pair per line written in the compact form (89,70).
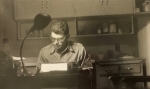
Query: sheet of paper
(17,58)
(54,67)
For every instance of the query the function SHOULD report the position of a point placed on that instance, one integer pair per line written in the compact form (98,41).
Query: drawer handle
(108,70)
(129,68)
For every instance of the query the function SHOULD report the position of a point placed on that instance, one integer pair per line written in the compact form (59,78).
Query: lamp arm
(21,47)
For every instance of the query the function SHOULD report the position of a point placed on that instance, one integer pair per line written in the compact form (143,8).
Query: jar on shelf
(99,30)
(105,28)
(146,5)
(112,27)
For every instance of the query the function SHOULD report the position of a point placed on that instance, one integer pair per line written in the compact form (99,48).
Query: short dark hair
(59,27)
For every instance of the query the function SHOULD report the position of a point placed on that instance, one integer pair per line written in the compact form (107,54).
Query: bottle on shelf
(99,30)
(112,27)
(105,28)
(146,5)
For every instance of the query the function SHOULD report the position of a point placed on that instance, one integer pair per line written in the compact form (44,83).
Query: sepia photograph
(74,44)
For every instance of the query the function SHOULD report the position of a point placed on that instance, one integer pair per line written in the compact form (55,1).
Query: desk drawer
(108,69)
(130,68)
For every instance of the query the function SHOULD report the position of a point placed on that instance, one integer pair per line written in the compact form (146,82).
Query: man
(61,49)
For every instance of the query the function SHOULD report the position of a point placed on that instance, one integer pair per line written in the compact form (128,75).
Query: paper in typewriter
(54,67)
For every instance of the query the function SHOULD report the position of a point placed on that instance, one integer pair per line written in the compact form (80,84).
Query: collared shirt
(75,52)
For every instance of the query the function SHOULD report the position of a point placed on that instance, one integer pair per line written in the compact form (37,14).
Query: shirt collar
(69,47)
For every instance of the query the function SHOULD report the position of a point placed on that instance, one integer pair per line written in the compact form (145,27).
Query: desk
(130,81)
(78,80)
(119,68)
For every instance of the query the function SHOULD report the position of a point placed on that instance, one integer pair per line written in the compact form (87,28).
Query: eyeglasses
(58,39)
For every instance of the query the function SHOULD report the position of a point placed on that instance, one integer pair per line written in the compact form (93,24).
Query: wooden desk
(74,80)
(119,68)
(129,81)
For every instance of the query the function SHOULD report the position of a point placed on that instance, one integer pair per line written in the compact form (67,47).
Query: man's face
(59,40)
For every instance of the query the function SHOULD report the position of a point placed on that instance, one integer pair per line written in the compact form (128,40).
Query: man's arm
(84,59)
(39,62)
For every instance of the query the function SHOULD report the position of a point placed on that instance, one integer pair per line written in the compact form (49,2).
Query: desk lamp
(40,22)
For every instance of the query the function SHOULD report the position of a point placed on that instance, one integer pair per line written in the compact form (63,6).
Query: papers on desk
(53,67)
(17,58)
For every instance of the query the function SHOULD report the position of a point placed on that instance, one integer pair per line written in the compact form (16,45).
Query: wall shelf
(115,26)
(87,24)
(142,14)
(105,34)
(25,25)
(139,8)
